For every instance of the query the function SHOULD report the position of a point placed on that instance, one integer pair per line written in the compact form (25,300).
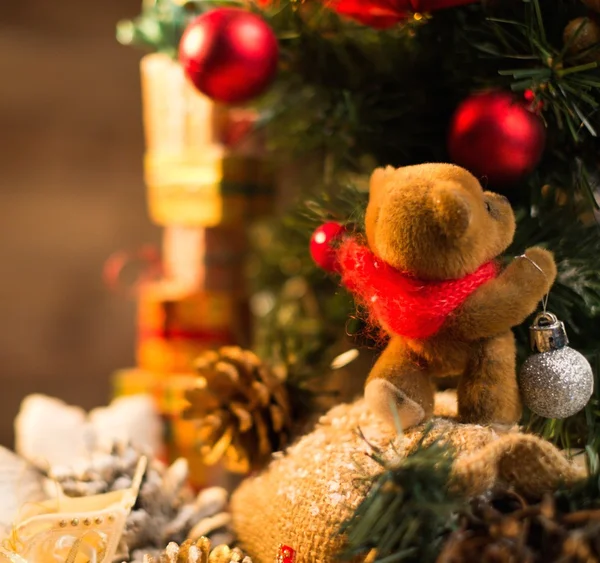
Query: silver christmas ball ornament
(557,381)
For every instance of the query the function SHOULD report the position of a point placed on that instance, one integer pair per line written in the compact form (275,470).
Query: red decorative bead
(286,554)
(321,248)
(534,104)
(229,54)
(495,136)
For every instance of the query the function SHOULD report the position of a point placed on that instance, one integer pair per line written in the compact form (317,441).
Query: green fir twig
(565,87)
(408,510)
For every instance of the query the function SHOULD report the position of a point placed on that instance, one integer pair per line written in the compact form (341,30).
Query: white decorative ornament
(49,433)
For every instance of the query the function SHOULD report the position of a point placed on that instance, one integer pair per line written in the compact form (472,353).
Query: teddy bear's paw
(392,405)
(544,260)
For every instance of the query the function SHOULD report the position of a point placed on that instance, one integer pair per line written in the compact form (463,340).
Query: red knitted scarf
(407,306)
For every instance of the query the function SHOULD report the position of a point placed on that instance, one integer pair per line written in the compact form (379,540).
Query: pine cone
(198,552)
(242,407)
(503,527)
(166,510)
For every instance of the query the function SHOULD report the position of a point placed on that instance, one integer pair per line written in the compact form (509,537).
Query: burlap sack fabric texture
(305,494)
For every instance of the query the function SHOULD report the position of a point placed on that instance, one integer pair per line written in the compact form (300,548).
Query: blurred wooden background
(71,193)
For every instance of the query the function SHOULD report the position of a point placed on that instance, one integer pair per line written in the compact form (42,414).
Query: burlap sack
(305,494)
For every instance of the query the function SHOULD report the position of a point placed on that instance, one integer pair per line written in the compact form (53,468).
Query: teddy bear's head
(435,221)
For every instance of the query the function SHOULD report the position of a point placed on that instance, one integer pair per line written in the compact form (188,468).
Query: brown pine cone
(583,36)
(503,527)
(242,409)
(198,552)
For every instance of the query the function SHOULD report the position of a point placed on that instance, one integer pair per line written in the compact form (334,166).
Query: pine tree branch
(408,510)
(159,27)
(306,308)
(566,87)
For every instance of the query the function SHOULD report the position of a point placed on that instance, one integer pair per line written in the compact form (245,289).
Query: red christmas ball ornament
(321,245)
(495,135)
(229,54)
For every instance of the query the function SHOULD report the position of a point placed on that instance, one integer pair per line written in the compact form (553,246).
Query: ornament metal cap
(547,333)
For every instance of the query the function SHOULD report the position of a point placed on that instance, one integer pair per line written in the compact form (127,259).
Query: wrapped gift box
(193,174)
(176,323)
(209,258)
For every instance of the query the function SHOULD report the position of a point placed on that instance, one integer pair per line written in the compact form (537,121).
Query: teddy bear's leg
(488,392)
(399,389)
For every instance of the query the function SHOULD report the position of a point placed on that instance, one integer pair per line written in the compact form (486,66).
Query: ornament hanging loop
(537,266)
(547,333)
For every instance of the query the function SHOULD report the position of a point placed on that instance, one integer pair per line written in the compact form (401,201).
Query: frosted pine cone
(166,509)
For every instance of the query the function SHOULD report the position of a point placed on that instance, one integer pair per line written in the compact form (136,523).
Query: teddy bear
(428,274)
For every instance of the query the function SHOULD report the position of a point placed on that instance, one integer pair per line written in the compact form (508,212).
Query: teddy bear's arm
(507,300)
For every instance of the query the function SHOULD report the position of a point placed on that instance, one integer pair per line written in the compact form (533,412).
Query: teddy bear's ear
(451,208)
(378,180)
